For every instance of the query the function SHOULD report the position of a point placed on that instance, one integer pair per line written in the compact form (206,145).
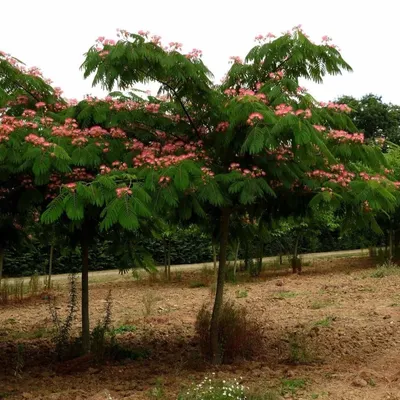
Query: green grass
(291,386)
(124,328)
(285,295)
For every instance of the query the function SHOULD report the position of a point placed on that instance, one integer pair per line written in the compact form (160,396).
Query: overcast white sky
(54,35)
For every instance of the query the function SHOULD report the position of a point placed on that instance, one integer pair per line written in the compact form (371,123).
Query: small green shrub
(291,386)
(299,350)
(241,293)
(239,334)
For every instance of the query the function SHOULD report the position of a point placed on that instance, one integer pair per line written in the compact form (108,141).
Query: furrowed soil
(330,333)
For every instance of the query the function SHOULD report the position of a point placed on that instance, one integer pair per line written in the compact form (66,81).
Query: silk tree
(257,141)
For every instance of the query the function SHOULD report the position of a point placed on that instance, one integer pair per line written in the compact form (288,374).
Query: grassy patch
(285,295)
(386,269)
(291,386)
(123,329)
(240,294)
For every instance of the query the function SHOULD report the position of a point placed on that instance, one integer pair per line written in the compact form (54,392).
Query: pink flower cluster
(123,191)
(164,180)
(242,92)
(236,59)
(306,113)
(29,114)
(222,127)
(283,109)
(345,137)
(254,172)
(320,128)
(277,76)
(335,106)
(282,153)
(337,174)
(262,38)
(171,153)
(254,116)
(194,54)
(38,141)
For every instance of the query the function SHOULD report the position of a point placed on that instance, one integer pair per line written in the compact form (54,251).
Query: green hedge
(187,246)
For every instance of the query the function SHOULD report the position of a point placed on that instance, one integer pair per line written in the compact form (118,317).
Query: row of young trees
(248,152)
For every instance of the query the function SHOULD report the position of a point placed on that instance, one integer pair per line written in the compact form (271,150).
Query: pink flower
(40,104)
(236,59)
(222,127)
(254,116)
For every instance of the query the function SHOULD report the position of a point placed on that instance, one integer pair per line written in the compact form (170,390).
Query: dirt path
(113,274)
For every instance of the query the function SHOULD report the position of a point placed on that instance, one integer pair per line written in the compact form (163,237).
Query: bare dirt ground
(337,320)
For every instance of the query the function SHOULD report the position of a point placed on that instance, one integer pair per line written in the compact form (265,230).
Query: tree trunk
(1,262)
(214,248)
(236,259)
(50,266)
(215,318)
(85,290)
(295,263)
(169,260)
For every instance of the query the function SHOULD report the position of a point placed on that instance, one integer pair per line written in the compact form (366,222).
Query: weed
(317,305)
(213,289)
(291,386)
(148,301)
(299,352)
(285,295)
(4,291)
(19,360)
(177,276)
(241,293)
(124,329)
(33,286)
(99,340)
(388,268)
(325,322)
(318,395)
(136,275)
(62,337)
(371,382)
(158,391)
(207,276)
(194,285)
(239,334)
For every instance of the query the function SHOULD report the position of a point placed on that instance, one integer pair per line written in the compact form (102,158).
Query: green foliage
(292,386)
